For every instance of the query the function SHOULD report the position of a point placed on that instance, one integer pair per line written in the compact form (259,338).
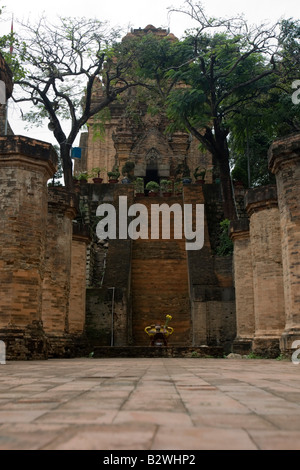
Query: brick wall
(243,282)
(25,166)
(159,282)
(77,298)
(262,208)
(284,162)
(56,283)
(210,280)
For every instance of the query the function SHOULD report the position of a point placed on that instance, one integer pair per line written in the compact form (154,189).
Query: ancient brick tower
(155,152)
(132,284)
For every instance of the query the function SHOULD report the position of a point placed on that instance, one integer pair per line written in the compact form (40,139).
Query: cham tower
(135,283)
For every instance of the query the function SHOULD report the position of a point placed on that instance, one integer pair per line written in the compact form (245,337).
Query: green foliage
(9,42)
(139,185)
(239,173)
(178,187)
(84,176)
(225,247)
(96,172)
(195,354)
(128,170)
(166,186)
(114,174)
(253,355)
(152,186)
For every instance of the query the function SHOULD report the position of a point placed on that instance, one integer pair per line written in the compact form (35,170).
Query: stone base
(242,346)
(266,347)
(66,346)
(147,351)
(287,339)
(25,344)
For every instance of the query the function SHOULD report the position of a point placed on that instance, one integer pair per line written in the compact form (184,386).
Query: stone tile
(92,405)
(20,416)
(29,404)
(232,420)
(77,417)
(28,436)
(155,417)
(168,438)
(284,422)
(129,436)
(279,440)
(150,403)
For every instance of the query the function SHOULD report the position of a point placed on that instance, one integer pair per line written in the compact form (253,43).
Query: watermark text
(187,222)
(2,353)
(296,94)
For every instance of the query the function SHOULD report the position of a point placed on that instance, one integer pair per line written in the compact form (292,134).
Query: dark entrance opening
(151,175)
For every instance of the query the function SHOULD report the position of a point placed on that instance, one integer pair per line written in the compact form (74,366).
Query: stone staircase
(159,283)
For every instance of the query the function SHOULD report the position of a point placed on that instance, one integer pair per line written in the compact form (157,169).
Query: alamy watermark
(2,353)
(296,94)
(139,226)
(2,92)
(295,359)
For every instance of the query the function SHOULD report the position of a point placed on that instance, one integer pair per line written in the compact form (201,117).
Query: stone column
(77,300)
(284,162)
(25,166)
(56,285)
(261,205)
(243,282)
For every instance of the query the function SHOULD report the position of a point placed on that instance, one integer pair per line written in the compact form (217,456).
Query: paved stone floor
(150,404)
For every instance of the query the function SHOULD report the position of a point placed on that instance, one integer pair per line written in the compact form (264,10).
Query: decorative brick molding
(260,198)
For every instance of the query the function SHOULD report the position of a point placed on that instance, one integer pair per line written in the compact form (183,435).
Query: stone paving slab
(150,404)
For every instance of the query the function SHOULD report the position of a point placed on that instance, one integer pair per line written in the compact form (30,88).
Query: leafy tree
(272,114)
(7,43)
(230,67)
(65,63)
(225,246)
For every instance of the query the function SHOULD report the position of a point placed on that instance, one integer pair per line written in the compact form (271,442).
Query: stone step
(160,282)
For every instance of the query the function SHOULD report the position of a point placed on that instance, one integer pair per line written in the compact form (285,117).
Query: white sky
(136,13)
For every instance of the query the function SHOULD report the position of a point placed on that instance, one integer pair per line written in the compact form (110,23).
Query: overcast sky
(137,13)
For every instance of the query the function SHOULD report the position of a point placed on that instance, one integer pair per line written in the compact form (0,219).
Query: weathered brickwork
(262,208)
(25,167)
(56,284)
(284,162)
(243,282)
(210,286)
(47,259)
(77,297)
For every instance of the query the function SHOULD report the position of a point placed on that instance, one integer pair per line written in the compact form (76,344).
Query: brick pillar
(77,300)
(261,205)
(123,141)
(25,166)
(56,285)
(243,280)
(284,162)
